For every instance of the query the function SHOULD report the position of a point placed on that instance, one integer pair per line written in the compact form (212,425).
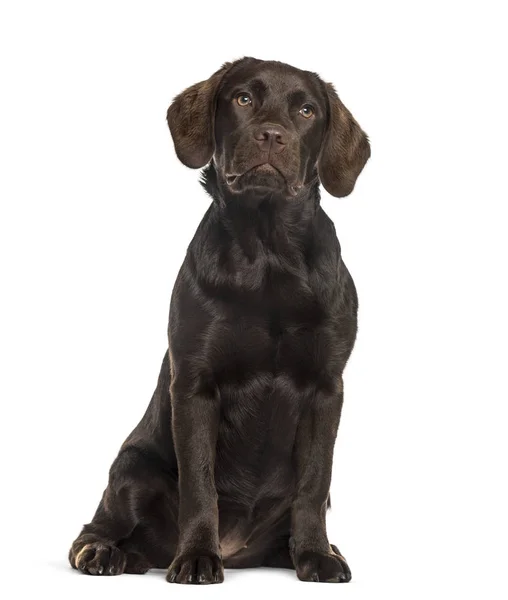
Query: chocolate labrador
(230,465)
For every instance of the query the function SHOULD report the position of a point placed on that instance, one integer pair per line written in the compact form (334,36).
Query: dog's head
(269,127)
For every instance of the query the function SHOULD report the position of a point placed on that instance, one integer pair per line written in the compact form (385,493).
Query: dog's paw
(318,566)
(97,558)
(196,567)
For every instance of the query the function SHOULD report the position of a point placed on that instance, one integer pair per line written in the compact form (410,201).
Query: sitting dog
(230,465)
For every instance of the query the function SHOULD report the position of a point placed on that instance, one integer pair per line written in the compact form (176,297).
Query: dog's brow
(257,86)
(298,97)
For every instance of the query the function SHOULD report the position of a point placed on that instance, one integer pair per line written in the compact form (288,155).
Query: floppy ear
(191,118)
(345,150)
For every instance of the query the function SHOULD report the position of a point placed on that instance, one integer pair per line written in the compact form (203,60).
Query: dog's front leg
(195,426)
(313,556)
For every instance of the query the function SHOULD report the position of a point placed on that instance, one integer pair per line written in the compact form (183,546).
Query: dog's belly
(255,476)
(257,430)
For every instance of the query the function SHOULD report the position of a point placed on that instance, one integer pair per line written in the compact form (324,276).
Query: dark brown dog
(231,463)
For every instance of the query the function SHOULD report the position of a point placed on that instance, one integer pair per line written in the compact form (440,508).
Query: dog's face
(270,122)
(269,127)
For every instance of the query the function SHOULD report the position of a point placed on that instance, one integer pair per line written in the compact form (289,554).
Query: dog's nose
(271,138)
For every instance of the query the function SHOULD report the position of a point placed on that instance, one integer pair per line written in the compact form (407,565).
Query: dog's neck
(266,217)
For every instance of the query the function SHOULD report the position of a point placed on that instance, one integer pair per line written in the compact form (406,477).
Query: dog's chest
(277,323)
(269,347)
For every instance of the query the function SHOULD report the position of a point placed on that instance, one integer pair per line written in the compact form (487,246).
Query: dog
(231,464)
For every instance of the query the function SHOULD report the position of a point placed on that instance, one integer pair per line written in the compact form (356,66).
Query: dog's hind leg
(136,506)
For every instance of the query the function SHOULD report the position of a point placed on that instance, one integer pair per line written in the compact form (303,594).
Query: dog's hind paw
(97,558)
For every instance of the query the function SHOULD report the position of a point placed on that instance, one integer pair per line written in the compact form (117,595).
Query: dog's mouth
(264,168)
(264,175)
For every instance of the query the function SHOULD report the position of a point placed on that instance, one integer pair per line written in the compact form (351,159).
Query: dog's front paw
(319,566)
(98,559)
(196,567)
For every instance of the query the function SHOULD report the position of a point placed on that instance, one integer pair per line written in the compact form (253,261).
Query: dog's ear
(345,149)
(191,119)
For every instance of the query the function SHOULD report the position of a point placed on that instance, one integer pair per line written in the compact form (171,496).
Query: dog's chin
(261,179)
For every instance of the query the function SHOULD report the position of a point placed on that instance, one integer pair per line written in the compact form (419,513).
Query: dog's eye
(307,111)
(244,99)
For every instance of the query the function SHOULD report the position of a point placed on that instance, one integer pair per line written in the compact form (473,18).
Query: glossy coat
(231,463)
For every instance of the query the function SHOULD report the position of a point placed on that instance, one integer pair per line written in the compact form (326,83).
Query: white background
(96,214)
